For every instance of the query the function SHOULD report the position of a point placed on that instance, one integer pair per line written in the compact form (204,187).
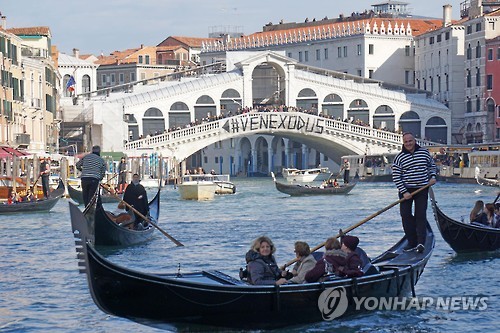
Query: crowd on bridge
(255,109)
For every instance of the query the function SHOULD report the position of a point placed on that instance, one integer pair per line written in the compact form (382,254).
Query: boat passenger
(497,216)
(261,265)
(490,214)
(305,262)
(335,183)
(342,262)
(333,258)
(477,214)
(135,195)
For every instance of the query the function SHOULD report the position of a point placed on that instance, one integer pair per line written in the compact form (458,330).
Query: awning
(11,152)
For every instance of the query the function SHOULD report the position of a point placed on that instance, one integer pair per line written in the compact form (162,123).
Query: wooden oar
(145,218)
(496,199)
(354,226)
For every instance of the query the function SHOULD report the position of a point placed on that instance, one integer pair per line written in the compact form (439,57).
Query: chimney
(3,21)
(76,53)
(447,15)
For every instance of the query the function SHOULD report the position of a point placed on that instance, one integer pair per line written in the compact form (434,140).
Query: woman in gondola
(261,265)
(477,214)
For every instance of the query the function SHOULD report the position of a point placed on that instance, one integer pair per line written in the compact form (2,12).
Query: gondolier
(412,169)
(44,174)
(93,170)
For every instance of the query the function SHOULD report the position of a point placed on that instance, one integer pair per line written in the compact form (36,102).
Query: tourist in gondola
(330,264)
(305,262)
(136,196)
(489,209)
(496,220)
(477,215)
(44,174)
(122,175)
(261,265)
(93,169)
(413,168)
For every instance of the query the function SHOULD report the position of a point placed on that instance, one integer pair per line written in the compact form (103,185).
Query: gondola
(485,181)
(42,205)
(216,299)
(109,232)
(299,189)
(76,194)
(465,237)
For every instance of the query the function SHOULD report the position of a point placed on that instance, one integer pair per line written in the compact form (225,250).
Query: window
(447,35)
(478,26)
(345,51)
(439,83)
(205,159)
(318,54)
(122,78)
(300,56)
(431,40)
(339,52)
(447,82)
(290,55)
(492,25)
(370,48)
(469,52)
(468,79)
(478,105)
(132,77)
(469,29)
(407,77)
(370,73)
(359,49)
(468,105)
(216,159)
(478,50)
(103,79)
(306,56)
(147,59)
(359,72)
(326,54)
(432,83)
(407,50)
(140,59)
(478,77)
(438,38)
(490,54)
(112,78)
(489,82)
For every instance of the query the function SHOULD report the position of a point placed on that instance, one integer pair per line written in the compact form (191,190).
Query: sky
(103,26)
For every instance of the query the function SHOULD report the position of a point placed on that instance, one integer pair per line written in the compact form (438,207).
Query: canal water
(42,291)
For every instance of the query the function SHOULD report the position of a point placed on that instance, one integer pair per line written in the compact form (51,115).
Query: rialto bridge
(142,121)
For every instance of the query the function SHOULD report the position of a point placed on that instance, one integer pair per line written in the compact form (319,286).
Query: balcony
(36,103)
(22,140)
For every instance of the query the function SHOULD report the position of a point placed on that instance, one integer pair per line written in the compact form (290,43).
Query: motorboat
(224,184)
(306,175)
(198,187)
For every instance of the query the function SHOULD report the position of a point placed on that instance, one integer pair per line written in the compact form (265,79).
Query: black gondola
(108,232)
(76,194)
(41,205)
(299,189)
(214,298)
(465,237)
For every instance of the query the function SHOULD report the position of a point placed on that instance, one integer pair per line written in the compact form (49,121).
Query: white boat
(306,175)
(197,187)
(224,185)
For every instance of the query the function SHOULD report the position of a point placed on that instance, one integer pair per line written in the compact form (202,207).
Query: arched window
(384,118)
(86,83)
(66,92)
(436,130)
(410,122)
(153,122)
(230,101)
(333,107)
(204,108)
(307,100)
(358,112)
(179,115)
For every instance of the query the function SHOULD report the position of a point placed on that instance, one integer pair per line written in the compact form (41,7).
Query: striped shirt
(92,166)
(413,170)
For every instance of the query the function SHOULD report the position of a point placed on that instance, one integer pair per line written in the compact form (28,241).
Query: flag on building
(71,84)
